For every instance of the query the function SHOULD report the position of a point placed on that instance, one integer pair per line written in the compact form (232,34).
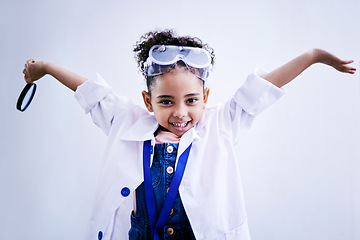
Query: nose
(180,111)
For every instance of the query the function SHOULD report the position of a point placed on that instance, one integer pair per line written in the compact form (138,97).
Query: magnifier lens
(26,96)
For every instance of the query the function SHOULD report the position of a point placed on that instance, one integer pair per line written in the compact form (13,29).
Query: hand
(34,70)
(325,57)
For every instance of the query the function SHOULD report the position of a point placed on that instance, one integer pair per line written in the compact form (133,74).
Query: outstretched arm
(35,70)
(287,72)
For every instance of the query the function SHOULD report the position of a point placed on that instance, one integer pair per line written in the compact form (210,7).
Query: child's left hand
(287,72)
(325,57)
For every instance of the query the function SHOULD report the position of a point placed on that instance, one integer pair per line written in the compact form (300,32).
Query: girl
(173,174)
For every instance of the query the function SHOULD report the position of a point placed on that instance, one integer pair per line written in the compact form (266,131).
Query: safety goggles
(162,58)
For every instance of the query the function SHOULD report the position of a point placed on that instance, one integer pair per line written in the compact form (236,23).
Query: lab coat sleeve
(96,96)
(257,94)
(254,96)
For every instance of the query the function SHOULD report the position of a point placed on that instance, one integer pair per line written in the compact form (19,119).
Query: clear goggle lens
(162,58)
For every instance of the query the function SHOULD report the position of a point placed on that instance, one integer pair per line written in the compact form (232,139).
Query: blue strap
(150,199)
(156,222)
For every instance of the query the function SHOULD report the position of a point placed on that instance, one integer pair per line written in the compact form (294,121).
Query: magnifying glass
(26,96)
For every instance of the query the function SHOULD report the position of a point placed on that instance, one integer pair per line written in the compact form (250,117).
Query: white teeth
(179,124)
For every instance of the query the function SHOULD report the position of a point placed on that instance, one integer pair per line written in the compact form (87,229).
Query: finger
(350,70)
(30,61)
(347,61)
(28,79)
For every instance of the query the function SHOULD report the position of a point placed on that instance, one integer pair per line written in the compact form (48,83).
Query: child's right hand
(34,70)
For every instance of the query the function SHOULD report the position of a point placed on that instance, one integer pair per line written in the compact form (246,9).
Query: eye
(191,100)
(165,102)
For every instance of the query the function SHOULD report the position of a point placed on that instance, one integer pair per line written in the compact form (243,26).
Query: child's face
(177,100)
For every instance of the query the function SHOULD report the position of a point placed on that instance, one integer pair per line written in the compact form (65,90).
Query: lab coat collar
(142,130)
(145,127)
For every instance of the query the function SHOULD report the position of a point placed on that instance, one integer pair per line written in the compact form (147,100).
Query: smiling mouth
(180,125)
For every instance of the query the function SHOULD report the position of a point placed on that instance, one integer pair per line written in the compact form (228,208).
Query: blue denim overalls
(162,171)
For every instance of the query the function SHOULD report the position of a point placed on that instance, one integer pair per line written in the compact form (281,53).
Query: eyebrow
(172,97)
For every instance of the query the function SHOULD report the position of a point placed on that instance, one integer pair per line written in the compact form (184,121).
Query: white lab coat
(211,189)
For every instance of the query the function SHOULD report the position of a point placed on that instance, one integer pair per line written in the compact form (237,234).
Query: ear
(147,100)
(206,95)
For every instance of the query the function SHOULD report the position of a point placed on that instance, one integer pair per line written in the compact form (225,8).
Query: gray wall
(299,164)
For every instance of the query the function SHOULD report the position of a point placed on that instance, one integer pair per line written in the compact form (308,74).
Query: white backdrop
(300,163)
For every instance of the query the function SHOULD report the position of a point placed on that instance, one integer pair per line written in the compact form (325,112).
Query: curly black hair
(165,37)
